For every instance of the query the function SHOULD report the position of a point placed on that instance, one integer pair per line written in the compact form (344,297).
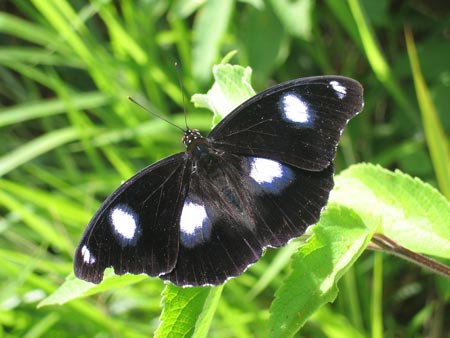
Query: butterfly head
(191,135)
(198,148)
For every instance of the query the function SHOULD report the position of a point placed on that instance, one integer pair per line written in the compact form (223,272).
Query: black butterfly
(260,178)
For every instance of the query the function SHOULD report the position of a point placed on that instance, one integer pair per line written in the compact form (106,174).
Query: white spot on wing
(125,223)
(264,170)
(295,109)
(88,258)
(271,175)
(192,217)
(340,90)
(195,225)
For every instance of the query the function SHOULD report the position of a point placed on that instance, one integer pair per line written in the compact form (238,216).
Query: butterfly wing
(136,228)
(201,222)
(297,122)
(238,205)
(268,180)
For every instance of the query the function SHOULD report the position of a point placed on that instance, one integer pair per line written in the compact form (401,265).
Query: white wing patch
(88,258)
(340,90)
(264,170)
(271,175)
(195,225)
(124,222)
(295,109)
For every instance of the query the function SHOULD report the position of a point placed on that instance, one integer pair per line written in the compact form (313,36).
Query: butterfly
(259,179)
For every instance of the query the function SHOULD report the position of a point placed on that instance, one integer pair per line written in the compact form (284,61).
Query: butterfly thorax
(202,154)
(200,151)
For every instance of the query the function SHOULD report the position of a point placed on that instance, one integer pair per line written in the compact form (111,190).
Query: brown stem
(386,244)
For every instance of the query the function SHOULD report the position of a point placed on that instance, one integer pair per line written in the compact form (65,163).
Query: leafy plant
(69,136)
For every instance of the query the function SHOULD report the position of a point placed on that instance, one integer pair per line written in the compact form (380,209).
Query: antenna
(156,115)
(180,83)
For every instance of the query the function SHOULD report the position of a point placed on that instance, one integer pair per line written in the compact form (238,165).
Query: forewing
(135,230)
(236,206)
(297,122)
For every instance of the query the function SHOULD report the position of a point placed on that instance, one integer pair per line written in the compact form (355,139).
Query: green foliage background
(69,137)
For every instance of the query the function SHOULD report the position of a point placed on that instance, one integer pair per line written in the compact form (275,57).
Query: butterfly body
(259,179)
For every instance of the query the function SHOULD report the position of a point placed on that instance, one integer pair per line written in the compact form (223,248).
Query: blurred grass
(436,139)
(69,137)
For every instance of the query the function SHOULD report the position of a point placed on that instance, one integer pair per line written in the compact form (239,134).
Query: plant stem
(383,243)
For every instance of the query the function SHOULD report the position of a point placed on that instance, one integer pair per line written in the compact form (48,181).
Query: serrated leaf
(187,312)
(74,288)
(337,241)
(231,87)
(410,212)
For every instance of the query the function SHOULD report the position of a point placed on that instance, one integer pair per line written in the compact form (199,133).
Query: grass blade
(436,140)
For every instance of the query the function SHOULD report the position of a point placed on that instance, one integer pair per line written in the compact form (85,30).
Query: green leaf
(296,16)
(437,141)
(337,241)
(376,59)
(184,8)
(74,288)
(409,211)
(38,109)
(26,29)
(37,147)
(268,48)
(209,27)
(37,223)
(231,87)
(187,312)
(334,324)
(61,206)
